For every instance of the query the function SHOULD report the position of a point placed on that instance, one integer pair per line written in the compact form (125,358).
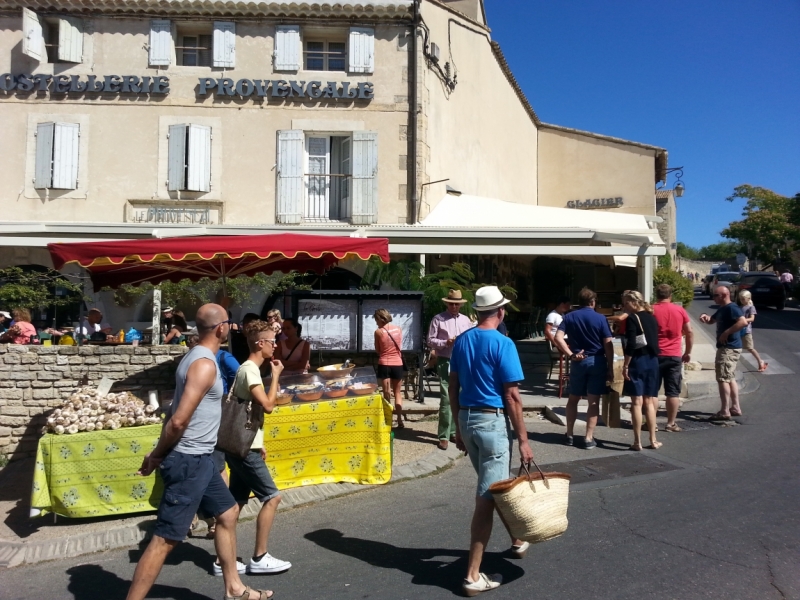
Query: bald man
(730,321)
(183,457)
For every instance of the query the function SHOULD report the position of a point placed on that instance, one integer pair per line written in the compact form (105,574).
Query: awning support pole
(155,338)
(645,268)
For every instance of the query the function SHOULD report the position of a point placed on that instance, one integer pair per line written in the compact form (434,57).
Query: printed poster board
(406,314)
(329,324)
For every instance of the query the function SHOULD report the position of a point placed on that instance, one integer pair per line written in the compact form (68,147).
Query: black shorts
(191,484)
(670,374)
(250,474)
(395,372)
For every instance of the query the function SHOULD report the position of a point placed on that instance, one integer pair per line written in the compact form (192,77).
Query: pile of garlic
(86,411)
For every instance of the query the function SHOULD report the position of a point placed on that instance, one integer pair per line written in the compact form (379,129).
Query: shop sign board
(596,203)
(181,212)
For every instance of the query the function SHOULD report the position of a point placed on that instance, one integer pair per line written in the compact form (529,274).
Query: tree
(771,222)
(24,288)
(665,261)
(722,250)
(687,252)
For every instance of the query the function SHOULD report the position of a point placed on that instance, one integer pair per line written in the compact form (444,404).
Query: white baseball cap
(5,314)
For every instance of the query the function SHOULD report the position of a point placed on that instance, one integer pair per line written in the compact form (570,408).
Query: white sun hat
(489,298)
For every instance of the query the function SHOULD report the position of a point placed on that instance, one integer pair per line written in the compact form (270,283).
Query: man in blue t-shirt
(730,321)
(484,375)
(592,362)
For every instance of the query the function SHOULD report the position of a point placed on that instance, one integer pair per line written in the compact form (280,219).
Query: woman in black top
(641,365)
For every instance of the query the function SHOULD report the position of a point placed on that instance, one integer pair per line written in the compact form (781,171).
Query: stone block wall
(34,380)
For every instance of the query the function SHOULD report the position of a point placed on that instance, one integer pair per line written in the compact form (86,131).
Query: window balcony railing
(327,197)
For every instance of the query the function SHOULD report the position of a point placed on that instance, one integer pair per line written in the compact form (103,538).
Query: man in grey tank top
(183,458)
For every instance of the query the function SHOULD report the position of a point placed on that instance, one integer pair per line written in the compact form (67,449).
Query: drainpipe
(412,116)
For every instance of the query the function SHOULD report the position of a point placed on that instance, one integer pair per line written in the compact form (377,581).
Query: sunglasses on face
(228,322)
(273,342)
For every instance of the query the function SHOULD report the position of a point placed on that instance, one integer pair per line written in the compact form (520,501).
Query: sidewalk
(24,540)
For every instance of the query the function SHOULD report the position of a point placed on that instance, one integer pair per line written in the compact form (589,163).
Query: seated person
(22,331)
(179,326)
(93,327)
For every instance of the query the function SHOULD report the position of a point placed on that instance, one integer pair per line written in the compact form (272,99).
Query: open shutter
(176,159)
(65,156)
(43,176)
(224,44)
(287,48)
(70,39)
(362,50)
(32,36)
(291,187)
(160,42)
(198,171)
(365,177)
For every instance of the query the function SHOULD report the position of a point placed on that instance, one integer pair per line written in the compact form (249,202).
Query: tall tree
(687,252)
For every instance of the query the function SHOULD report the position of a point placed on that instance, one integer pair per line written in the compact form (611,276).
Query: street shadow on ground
(409,434)
(88,582)
(438,567)
(184,552)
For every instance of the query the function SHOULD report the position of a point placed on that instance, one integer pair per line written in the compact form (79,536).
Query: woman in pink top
(388,341)
(22,331)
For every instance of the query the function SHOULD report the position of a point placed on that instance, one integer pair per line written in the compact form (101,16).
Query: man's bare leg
(480,532)
(572,412)
(150,566)
(734,387)
(225,545)
(591,415)
(724,398)
(673,405)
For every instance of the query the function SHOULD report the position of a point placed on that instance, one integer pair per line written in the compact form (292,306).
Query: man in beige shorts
(730,321)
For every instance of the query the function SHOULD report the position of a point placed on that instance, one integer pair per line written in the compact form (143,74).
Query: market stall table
(94,474)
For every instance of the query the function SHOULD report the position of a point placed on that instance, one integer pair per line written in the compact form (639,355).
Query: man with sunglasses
(183,457)
(730,321)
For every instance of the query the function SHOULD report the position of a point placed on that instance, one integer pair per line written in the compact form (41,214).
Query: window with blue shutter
(33,36)
(364,188)
(224,44)
(189,158)
(43,175)
(70,40)
(362,50)
(290,189)
(160,52)
(57,146)
(287,48)
(176,159)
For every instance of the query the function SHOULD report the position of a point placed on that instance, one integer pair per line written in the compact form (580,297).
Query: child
(749,310)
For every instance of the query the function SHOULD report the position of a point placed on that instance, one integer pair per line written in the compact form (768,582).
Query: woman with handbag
(640,369)
(391,365)
(250,473)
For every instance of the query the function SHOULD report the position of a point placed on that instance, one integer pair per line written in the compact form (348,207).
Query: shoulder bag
(641,339)
(241,420)
(402,358)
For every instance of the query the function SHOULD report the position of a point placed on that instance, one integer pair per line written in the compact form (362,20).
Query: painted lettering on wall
(85,84)
(595,203)
(185,216)
(280,88)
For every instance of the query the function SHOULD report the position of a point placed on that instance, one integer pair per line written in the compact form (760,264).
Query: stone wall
(34,380)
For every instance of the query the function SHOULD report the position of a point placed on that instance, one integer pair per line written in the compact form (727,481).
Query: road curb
(14,554)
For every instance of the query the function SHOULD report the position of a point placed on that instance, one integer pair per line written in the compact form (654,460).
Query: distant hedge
(682,288)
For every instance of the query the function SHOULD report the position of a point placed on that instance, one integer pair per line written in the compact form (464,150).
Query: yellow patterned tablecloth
(94,474)
(343,440)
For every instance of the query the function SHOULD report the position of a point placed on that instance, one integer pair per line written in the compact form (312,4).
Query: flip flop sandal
(736,414)
(674,428)
(248,594)
(718,417)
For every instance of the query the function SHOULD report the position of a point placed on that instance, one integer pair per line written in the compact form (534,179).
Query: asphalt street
(713,514)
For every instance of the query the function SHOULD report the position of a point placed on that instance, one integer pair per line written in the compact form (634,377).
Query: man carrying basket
(484,374)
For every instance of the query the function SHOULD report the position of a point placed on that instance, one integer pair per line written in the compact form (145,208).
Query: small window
(57,156)
(325,55)
(195,45)
(52,39)
(189,158)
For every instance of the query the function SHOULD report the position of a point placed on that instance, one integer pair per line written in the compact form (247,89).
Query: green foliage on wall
(682,288)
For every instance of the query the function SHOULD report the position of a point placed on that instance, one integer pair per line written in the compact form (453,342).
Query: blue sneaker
(589,444)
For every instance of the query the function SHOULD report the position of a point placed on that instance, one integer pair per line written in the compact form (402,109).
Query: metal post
(155,339)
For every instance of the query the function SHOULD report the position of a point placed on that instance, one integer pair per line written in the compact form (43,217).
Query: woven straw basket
(533,505)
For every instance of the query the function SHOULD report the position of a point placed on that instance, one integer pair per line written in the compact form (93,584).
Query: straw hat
(454,297)
(489,298)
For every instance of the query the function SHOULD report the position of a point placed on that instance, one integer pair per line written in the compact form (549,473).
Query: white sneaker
(268,564)
(240,566)
(484,584)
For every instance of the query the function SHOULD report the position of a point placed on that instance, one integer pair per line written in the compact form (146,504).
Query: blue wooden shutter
(291,184)
(65,156)
(176,177)
(70,39)
(160,43)
(224,44)
(362,50)
(287,48)
(33,36)
(364,192)
(43,175)
(198,170)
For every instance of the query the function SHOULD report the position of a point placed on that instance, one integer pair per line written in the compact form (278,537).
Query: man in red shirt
(673,324)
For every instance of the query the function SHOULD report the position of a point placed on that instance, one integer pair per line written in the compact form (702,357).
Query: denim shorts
(250,474)
(488,440)
(191,484)
(643,376)
(588,376)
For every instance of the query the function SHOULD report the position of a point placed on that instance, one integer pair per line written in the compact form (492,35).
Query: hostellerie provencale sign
(595,203)
(159,85)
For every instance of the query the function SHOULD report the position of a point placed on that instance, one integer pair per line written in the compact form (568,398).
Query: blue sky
(715,83)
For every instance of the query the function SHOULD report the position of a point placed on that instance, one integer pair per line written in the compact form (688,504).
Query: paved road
(719,520)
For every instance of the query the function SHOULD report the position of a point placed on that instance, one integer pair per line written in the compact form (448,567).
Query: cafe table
(93,474)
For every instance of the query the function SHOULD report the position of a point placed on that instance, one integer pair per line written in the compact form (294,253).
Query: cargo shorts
(725,363)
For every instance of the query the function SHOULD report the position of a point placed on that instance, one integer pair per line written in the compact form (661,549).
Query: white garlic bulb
(72,429)
(59,429)
(90,426)
(140,420)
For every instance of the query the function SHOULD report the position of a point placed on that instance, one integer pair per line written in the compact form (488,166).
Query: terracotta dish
(363,389)
(283,399)
(335,393)
(334,371)
(309,396)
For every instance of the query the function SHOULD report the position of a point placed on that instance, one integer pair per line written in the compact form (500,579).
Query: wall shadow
(88,582)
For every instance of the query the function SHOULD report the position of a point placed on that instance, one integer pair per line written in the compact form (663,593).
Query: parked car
(765,288)
(726,278)
(705,283)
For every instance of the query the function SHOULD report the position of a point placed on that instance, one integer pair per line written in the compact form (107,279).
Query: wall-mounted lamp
(678,188)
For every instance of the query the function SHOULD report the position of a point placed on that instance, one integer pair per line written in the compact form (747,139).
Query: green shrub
(682,288)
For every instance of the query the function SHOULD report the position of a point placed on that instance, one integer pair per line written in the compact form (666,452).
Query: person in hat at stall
(166,319)
(485,372)
(442,333)
(5,320)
